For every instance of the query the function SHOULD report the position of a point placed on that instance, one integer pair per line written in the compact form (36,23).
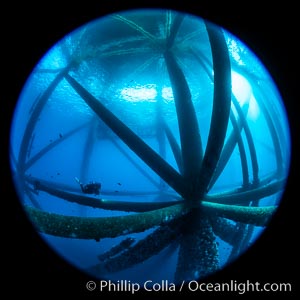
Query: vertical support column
(190,139)
(221,107)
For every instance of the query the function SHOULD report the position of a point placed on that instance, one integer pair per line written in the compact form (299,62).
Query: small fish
(60,135)
(119,183)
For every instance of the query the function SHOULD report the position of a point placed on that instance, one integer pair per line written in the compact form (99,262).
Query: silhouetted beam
(87,155)
(246,196)
(37,99)
(12,157)
(247,238)
(228,148)
(159,132)
(242,239)
(87,150)
(117,249)
(101,227)
(237,240)
(174,29)
(49,70)
(191,146)
(161,139)
(134,163)
(66,187)
(201,58)
(29,149)
(139,193)
(137,145)
(244,125)
(86,200)
(221,107)
(234,138)
(224,229)
(34,202)
(275,139)
(242,151)
(249,140)
(151,245)
(51,184)
(174,146)
(152,38)
(46,149)
(270,114)
(34,117)
(270,123)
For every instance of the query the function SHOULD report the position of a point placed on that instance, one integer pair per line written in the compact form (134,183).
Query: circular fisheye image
(150,144)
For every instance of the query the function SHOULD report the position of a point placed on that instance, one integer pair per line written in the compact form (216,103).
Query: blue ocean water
(58,139)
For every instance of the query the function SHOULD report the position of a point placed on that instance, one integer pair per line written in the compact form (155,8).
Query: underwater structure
(150,130)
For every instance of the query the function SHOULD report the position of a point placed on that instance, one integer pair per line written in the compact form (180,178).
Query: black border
(29,30)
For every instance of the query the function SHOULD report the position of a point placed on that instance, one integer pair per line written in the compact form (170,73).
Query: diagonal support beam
(174,29)
(250,141)
(133,141)
(260,95)
(234,138)
(85,200)
(151,245)
(52,145)
(174,146)
(134,163)
(34,117)
(245,196)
